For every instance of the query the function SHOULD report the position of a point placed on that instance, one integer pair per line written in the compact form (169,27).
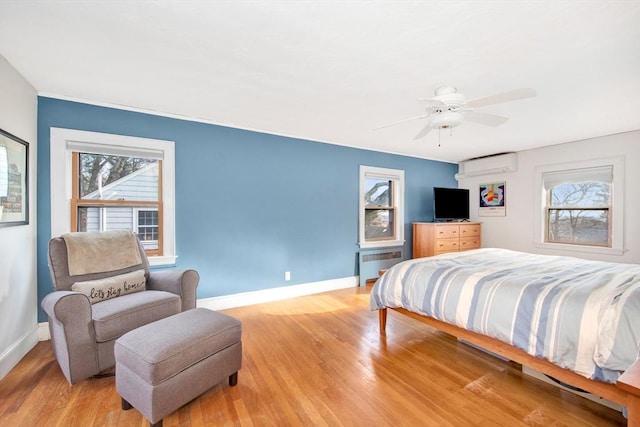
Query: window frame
(616,207)
(65,141)
(395,176)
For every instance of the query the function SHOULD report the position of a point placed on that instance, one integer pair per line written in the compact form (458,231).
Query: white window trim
(64,141)
(617,206)
(397,176)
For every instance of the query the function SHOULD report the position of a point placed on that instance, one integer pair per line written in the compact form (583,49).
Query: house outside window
(582,206)
(107,181)
(381,207)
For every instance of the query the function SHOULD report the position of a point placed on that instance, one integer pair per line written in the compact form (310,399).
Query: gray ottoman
(166,364)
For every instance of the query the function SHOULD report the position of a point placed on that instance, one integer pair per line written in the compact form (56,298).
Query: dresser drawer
(446,231)
(447,245)
(468,230)
(467,243)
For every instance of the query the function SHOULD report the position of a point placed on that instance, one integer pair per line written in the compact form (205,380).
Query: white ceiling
(332,71)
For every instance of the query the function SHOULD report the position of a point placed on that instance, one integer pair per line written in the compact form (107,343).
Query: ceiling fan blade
(423,132)
(513,95)
(484,118)
(402,121)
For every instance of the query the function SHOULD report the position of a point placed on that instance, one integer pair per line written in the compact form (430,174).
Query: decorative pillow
(111,287)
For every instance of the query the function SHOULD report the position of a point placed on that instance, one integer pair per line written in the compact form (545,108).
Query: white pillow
(111,287)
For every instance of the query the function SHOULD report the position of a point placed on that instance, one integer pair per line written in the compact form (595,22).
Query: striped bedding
(581,315)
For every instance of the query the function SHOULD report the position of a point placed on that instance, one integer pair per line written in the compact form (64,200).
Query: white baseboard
(10,358)
(275,294)
(43,331)
(250,298)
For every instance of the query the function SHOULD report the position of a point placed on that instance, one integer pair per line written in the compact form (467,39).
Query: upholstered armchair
(103,288)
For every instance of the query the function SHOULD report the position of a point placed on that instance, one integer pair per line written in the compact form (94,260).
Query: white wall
(516,229)
(18,285)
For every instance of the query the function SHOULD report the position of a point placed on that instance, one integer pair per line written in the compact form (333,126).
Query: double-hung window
(381,207)
(109,192)
(578,206)
(105,182)
(582,206)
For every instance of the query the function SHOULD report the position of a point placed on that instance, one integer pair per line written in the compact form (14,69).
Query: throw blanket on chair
(91,252)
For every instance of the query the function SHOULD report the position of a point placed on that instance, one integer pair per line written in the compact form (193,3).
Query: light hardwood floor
(320,361)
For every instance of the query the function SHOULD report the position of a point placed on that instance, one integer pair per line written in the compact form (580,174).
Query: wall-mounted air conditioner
(499,163)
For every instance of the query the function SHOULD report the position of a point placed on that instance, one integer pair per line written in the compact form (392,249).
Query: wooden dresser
(433,238)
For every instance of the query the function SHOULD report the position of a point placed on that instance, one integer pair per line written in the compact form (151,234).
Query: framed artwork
(492,199)
(14,180)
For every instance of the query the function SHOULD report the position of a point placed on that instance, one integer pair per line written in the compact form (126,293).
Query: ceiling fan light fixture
(445,119)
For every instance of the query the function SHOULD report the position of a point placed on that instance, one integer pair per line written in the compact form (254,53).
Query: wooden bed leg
(633,411)
(382,317)
(629,382)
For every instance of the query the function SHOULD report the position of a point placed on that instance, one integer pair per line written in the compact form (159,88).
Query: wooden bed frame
(626,392)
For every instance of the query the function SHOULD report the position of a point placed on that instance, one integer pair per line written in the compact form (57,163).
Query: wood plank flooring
(320,361)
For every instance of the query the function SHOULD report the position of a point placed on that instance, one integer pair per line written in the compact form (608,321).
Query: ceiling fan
(448,108)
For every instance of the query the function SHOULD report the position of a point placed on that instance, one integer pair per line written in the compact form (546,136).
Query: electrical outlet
(287,275)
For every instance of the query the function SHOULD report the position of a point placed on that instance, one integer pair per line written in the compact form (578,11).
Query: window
(103,181)
(108,190)
(582,206)
(381,207)
(578,206)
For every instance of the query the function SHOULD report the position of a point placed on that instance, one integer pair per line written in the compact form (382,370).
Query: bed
(573,319)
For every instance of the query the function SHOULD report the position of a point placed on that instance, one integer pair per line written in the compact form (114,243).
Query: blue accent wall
(249,205)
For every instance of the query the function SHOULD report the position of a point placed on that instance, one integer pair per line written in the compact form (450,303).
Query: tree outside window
(579,213)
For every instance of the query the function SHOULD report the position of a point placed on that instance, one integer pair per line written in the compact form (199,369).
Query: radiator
(371,262)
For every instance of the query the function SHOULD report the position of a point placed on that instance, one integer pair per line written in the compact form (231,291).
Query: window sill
(381,244)
(162,261)
(580,248)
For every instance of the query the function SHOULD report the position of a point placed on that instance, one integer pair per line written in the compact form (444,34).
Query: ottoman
(165,364)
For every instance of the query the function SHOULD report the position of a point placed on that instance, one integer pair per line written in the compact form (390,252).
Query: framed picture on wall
(14,180)
(492,199)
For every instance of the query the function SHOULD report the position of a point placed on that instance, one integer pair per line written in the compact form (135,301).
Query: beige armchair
(103,289)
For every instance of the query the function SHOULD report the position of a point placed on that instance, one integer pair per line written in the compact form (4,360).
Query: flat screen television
(450,204)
